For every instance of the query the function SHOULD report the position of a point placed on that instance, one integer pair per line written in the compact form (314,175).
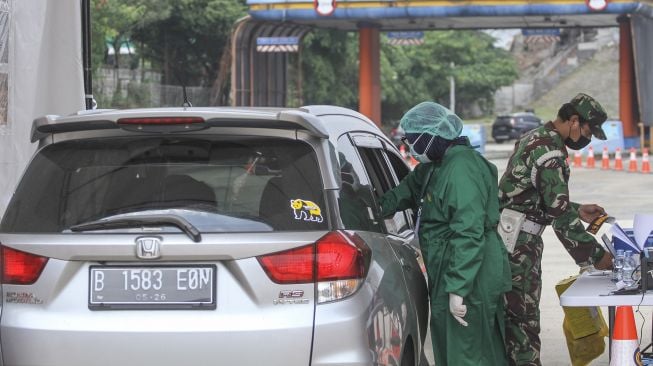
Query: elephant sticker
(306,210)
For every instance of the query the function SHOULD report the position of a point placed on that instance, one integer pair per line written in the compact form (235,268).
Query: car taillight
(20,268)
(337,262)
(290,266)
(160,121)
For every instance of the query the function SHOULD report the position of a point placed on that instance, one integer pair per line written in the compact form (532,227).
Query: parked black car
(512,126)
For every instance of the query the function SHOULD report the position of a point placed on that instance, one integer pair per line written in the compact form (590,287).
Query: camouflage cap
(591,112)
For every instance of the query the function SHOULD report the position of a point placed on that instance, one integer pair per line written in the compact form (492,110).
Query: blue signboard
(405,35)
(614,133)
(476,135)
(541,32)
(276,41)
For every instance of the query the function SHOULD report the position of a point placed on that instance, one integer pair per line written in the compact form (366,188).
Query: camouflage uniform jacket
(535,183)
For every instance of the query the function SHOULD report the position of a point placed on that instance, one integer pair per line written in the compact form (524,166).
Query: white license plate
(152,287)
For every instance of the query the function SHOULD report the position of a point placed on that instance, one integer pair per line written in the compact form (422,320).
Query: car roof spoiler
(213,117)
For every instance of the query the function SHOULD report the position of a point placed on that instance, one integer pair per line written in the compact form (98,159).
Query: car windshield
(220,185)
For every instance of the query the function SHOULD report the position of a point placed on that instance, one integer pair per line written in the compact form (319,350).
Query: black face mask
(577,145)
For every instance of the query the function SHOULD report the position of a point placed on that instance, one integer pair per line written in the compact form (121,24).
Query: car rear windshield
(502,120)
(220,185)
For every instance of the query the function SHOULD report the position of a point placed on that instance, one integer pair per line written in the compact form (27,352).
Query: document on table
(642,226)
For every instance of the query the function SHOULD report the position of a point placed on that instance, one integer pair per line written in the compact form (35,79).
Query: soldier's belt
(511,223)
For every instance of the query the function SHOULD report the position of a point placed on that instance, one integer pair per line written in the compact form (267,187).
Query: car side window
(400,172)
(382,180)
(355,199)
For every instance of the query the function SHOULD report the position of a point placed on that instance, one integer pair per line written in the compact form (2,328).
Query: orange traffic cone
(577,159)
(605,160)
(590,157)
(632,161)
(618,163)
(646,166)
(625,347)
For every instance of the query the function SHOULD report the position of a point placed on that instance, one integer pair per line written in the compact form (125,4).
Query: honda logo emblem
(148,248)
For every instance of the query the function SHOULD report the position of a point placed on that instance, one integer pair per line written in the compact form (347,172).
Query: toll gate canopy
(297,17)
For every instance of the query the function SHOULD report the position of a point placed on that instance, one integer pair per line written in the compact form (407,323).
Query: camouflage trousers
(523,302)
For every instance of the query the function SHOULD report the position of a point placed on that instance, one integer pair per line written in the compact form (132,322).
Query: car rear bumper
(65,332)
(139,339)
(505,133)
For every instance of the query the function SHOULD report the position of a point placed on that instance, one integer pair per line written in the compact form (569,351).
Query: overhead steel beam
(439,14)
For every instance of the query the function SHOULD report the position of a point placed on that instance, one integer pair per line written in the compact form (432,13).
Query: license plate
(152,287)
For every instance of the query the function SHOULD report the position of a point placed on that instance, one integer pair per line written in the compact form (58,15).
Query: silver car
(210,236)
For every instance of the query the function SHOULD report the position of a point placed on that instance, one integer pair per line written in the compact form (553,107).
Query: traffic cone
(577,159)
(632,161)
(605,160)
(590,157)
(618,163)
(625,346)
(646,166)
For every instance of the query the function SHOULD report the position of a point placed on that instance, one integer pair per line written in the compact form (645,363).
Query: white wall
(45,76)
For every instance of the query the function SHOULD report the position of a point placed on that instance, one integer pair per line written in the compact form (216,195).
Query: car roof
(305,118)
(524,114)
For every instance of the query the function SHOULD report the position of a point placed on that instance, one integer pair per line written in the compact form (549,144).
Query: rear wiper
(140,221)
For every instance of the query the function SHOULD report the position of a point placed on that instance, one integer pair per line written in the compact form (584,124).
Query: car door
(384,169)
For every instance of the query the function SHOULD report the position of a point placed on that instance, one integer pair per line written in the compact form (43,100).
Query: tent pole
(86,53)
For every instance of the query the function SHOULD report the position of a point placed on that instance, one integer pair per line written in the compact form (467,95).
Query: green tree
(330,68)
(187,44)
(409,74)
(413,74)
(114,21)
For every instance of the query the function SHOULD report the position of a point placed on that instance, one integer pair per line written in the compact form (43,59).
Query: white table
(592,290)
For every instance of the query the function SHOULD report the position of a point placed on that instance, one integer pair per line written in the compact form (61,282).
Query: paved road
(622,195)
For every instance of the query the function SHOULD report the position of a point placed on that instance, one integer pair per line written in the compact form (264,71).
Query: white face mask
(422,158)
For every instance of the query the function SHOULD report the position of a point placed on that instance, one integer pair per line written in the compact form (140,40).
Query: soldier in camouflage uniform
(535,183)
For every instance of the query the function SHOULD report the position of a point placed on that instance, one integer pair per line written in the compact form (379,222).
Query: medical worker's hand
(590,212)
(457,309)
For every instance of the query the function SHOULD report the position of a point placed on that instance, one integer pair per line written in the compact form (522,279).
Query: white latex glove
(457,309)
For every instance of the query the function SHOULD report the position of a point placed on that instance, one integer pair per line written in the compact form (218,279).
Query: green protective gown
(462,251)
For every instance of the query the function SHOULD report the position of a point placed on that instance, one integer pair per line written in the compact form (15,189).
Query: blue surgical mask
(422,158)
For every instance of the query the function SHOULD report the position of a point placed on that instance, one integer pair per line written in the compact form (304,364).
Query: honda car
(231,236)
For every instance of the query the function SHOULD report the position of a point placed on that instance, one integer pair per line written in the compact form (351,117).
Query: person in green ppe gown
(454,190)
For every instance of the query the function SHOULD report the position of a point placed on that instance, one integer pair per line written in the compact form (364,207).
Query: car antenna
(186,103)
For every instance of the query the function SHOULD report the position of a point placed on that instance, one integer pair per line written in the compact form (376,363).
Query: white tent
(40,73)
